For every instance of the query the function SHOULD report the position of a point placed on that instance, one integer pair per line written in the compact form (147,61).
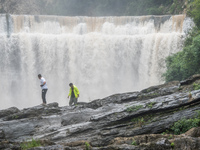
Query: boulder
(194,132)
(9,111)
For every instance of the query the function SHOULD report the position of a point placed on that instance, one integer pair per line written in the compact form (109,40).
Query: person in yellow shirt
(73,94)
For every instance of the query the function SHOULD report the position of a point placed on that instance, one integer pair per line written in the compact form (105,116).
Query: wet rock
(166,86)
(2,135)
(53,147)
(36,111)
(9,111)
(6,145)
(117,98)
(194,132)
(155,146)
(190,80)
(185,143)
(52,104)
(17,129)
(135,116)
(75,118)
(71,148)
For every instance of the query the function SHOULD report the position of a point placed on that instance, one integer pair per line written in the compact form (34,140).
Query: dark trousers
(73,100)
(44,91)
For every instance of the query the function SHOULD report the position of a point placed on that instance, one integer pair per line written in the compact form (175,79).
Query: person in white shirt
(44,87)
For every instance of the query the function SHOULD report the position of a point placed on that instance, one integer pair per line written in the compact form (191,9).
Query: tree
(195,12)
(185,63)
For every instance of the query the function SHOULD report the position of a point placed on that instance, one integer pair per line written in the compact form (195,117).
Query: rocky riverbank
(131,121)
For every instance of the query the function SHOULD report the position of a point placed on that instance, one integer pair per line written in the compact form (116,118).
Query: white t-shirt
(42,80)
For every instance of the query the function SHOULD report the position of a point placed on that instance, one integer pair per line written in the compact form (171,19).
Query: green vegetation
(15,117)
(110,7)
(170,136)
(196,86)
(182,108)
(194,13)
(184,64)
(138,121)
(152,94)
(172,145)
(176,7)
(184,125)
(31,144)
(166,132)
(150,105)
(134,143)
(134,108)
(87,146)
(147,7)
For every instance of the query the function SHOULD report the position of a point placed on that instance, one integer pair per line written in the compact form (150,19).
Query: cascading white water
(100,55)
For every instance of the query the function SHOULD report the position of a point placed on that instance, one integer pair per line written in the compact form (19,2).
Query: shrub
(198,114)
(30,144)
(172,8)
(195,12)
(138,121)
(155,11)
(196,86)
(184,125)
(185,63)
(87,146)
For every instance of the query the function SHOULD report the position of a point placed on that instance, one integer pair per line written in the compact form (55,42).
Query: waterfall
(100,55)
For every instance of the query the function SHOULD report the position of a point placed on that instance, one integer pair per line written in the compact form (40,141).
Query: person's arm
(44,82)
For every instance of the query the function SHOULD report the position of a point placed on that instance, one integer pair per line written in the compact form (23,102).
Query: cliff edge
(136,120)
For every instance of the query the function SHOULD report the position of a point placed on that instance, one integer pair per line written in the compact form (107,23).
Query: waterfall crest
(100,55)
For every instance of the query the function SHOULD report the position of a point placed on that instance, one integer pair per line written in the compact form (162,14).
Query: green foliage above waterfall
(186,63)
(96,7)
(195,13)
(117,7)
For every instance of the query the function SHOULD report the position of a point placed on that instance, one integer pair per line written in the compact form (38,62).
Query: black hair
(70,84)
(39,75)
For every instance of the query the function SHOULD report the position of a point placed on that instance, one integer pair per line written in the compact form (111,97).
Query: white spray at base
(100,55)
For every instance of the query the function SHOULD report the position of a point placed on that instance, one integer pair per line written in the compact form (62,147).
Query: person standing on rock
(73,94)
(44,87)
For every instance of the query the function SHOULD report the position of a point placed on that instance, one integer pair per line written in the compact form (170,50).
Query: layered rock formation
(130,121)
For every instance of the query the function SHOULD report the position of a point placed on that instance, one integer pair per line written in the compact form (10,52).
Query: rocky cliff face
(129,121)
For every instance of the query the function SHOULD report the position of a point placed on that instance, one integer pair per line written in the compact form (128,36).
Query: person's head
(71,85)
(39,76)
